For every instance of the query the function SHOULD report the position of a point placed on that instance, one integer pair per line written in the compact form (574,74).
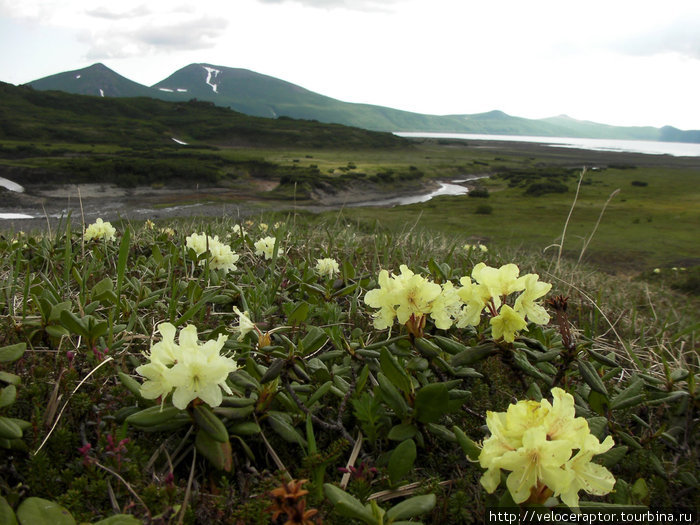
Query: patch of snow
(212,72)
(179,141)
(11,185)
(102,93)
(166,89)
(77,76)
(182,90)
(15,216)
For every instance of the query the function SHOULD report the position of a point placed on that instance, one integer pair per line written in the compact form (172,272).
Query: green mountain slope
(29,114)
(261,95)
(97,80)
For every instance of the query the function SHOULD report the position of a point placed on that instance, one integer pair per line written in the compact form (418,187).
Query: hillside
(26,113)
(265,96)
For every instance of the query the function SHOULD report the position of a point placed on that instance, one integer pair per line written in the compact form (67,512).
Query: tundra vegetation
(357,366)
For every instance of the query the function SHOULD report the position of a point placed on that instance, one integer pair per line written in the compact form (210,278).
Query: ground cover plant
(298,368)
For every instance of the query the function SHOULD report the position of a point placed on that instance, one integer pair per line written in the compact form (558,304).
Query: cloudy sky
(614,61)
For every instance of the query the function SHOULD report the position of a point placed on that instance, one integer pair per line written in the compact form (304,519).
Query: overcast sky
(613,61)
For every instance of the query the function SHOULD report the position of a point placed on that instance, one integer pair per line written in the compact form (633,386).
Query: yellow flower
(222,257)
(525,303)
(100,230)
(561,421)
(200,242)
(265,246)
(474,297)
(149,225)
(535,441)
(192,369)
(500,282)
(238,230)
(587,476)
(384,299)
(415,295)
(327,267)
(506,324)
(537,461)
(445,307)
(245,325)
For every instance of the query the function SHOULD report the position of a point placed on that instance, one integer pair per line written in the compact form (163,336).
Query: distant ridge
(265,96)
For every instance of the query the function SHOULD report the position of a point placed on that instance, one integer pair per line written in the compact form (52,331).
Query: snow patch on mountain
(182,90)
(102,93)
(211,72)
(179,141)
(77,76)
(166,89)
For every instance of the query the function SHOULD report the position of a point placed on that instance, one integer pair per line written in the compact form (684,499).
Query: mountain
(96,80)
(261,95)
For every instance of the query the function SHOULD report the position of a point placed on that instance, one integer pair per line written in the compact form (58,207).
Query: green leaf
(285,429)
(391,396)
(347,505)
(7,515)
(119,519)
(9,429)
(612,457)
(274,370)
(393,371)
(123,257)
(591,377)
(427,348)
(38,511)
(73,323)
(314,339)
(209,422)
(9,378)
(247,428)
(218,453)
(402,432)
(597,426)
(11,353)
(8,396)
(411,507)
(630,396)
(449,345)
(472,355)
(401,461)
(469,447)
(154,415)
(431,403)
(299,314)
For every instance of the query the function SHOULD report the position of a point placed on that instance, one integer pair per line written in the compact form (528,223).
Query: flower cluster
(192,369)
(473,247)
(221,257)
(100,230)
(265,246)
(410,298)
(327,267)
(547,450)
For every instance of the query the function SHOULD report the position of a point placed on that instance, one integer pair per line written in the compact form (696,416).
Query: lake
(676,149)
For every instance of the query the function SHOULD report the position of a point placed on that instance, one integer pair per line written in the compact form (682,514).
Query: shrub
(639,183)
(484,209)
(482,193)
(540,188)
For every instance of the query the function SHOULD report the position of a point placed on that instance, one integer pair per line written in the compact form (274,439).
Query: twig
(600,217)
(126,484)
(188,490)
(351,461)
(68,400)
(274,455)
(571,211)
